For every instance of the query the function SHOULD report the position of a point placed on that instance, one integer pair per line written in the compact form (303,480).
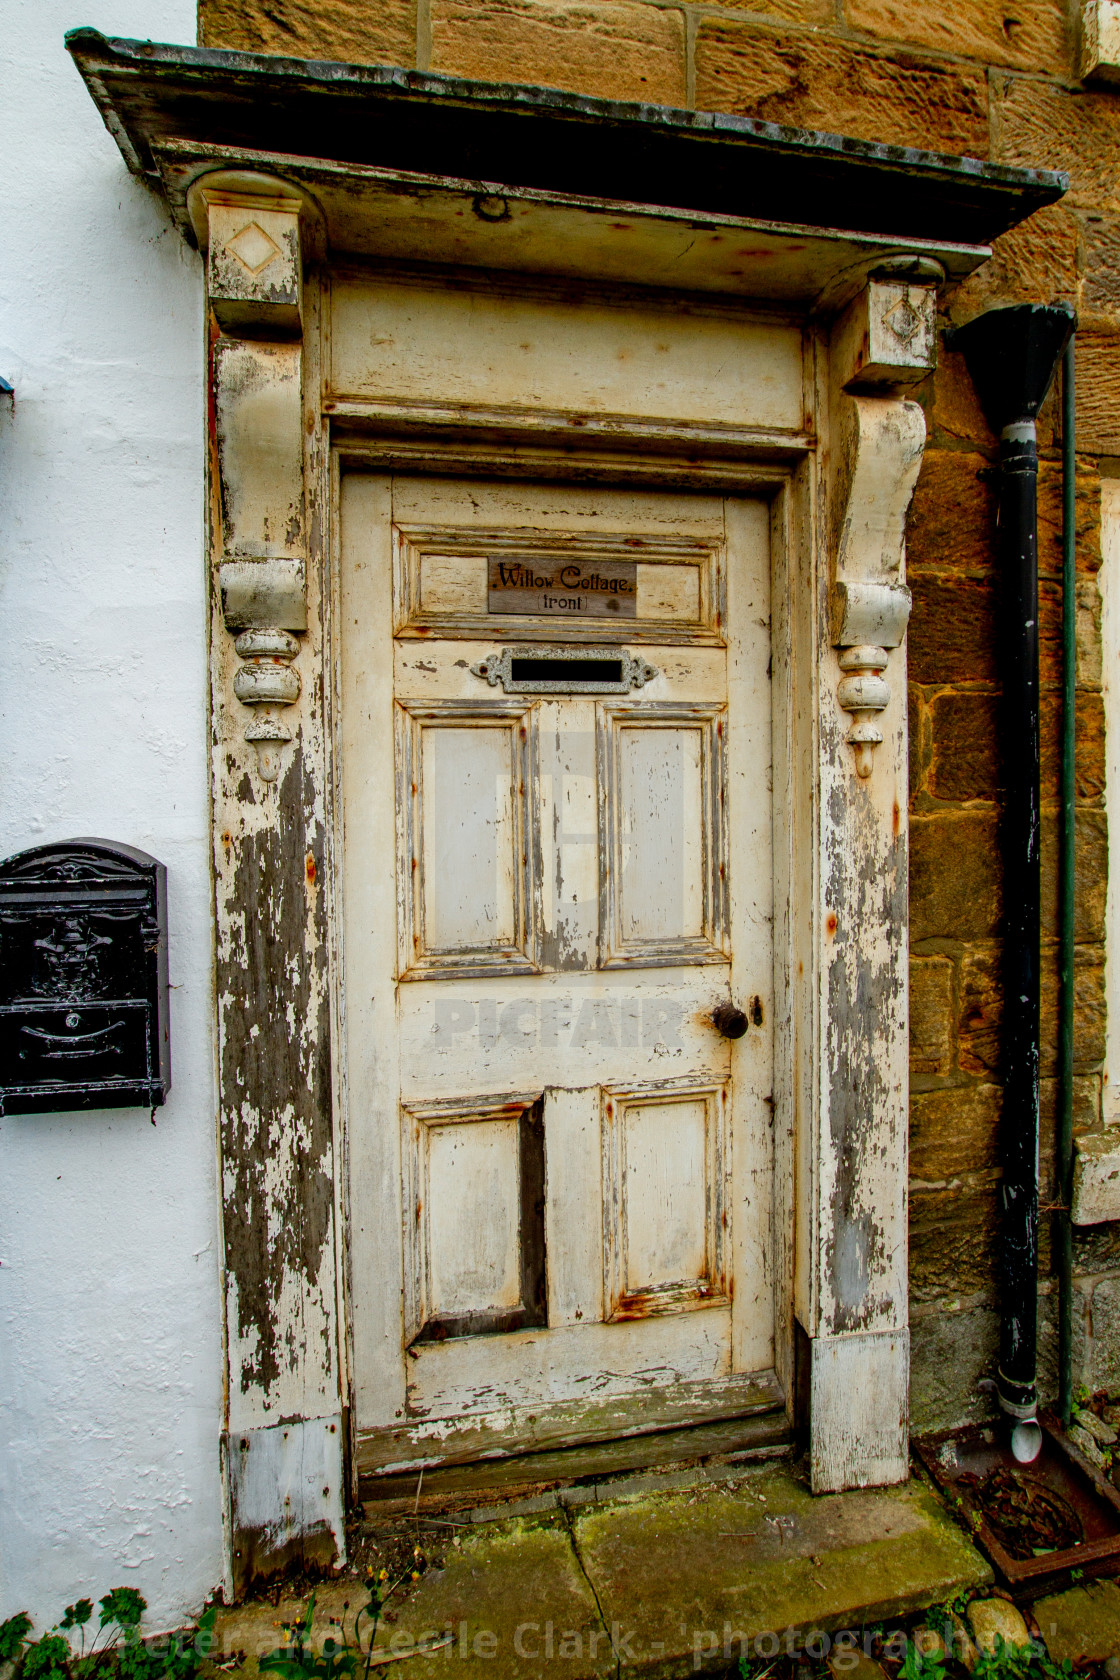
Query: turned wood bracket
(883,341)
(249,226)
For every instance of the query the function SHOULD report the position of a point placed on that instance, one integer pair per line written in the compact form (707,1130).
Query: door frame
(784,486)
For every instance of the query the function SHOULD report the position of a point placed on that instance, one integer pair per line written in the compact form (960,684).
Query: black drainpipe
(1066,890)
(1012,355)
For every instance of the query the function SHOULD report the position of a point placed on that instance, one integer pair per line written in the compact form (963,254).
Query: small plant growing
(940,1616)
(298,1659)
(13,1634)
(1079,1402)
(921,1665)
(335,1659)
(116,1651)
(1020,1662)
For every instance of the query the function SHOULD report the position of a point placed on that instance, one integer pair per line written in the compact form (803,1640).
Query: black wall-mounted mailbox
(83,979)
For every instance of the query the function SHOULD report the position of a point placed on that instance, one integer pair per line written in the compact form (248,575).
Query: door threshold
(574,1475)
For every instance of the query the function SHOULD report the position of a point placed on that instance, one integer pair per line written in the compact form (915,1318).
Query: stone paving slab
(516,1602)
(699,1576)
(1081,1624)
(511,1600)
(658,1584)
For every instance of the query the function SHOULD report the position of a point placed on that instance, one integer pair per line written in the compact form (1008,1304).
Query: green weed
(335,1659)
(921,1665)
(116,1651)
(1020,1662)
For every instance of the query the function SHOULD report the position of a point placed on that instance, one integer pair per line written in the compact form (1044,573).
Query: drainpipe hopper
(1012,355)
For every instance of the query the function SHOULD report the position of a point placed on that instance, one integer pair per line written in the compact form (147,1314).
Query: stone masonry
(994,81)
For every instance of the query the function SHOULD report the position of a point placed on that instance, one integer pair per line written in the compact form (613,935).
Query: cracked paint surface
(277,1147)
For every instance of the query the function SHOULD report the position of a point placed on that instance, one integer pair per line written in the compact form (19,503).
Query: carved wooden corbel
(249,226)
(884,340)
(880,454)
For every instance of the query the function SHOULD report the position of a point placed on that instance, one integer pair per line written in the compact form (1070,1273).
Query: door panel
(446,549)
(472,1191)
(658,839)
(474,1219)
(560,1171)
(662,840)
(463,861)
(468,895)
(666,1199)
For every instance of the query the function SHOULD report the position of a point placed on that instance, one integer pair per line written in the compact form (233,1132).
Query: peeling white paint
(110,1384)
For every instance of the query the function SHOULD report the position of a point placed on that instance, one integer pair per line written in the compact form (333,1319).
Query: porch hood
(416,167)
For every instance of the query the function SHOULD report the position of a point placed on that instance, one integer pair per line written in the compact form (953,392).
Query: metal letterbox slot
(564,670)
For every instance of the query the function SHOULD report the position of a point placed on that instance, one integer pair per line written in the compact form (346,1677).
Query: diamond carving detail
(253,248)
(904,321)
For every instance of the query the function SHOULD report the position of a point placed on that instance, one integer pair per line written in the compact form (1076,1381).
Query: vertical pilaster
(856,1298)
(284,1437)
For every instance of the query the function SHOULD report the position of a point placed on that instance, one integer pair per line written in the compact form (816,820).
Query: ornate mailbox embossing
(83,979)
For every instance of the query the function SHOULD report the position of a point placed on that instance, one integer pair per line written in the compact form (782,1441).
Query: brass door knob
(728,1020)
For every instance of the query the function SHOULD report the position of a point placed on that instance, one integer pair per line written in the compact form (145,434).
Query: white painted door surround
(424,413)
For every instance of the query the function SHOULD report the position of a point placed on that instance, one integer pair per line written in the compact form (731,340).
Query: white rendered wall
(110,1328)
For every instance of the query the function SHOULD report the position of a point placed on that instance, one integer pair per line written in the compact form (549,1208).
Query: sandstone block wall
(994,81)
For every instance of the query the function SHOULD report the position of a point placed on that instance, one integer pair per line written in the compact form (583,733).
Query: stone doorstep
(1082,1624)
(656,1584)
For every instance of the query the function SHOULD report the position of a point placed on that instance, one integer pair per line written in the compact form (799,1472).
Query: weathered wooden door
(555,757)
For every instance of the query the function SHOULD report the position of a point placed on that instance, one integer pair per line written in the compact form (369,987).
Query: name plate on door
(563,588)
